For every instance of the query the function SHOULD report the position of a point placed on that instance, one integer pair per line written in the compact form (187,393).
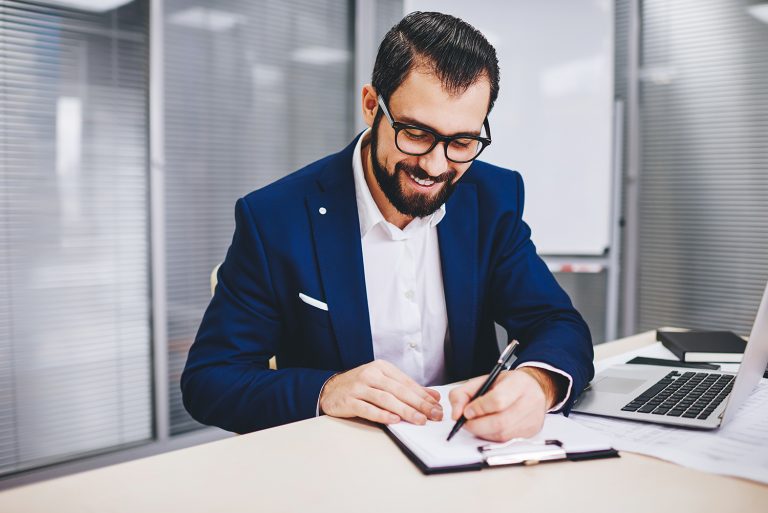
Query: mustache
(419,173)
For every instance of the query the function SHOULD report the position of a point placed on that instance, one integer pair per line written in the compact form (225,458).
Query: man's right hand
(380,392)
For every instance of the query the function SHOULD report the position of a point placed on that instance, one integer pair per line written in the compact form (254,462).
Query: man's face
(421,100)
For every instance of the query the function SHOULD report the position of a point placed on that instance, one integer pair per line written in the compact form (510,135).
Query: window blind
(74,295)
(703,234)
(253,91)
(388,14)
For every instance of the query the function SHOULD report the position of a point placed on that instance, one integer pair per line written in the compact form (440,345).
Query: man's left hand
(514,406)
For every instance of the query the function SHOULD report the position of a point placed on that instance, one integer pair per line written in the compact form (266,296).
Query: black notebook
(704,346)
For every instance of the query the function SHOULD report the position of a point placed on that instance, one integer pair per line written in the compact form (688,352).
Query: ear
(369,103)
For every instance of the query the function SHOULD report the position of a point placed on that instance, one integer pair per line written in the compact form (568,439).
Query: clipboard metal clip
(522,451)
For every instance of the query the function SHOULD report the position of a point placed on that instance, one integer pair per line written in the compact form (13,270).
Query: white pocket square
(314,302)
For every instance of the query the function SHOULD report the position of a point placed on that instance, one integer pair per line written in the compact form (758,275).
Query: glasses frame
(438,138)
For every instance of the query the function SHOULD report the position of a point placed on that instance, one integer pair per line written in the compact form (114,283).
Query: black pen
(501,364)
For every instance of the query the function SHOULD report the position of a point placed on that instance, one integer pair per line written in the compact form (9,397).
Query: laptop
(679,396)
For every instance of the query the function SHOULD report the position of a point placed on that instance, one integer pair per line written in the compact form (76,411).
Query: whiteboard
(553,120)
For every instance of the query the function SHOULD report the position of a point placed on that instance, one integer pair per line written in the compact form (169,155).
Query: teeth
(419,181)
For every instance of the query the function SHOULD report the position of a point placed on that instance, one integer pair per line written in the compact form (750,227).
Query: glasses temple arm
(384,109)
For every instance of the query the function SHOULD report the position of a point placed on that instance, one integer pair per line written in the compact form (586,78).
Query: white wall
(553,119)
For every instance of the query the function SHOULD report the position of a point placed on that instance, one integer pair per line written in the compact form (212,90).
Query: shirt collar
(367,210)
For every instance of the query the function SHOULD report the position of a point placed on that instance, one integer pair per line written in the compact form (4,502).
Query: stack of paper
(740,448)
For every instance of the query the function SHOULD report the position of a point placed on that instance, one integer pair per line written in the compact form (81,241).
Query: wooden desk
(327,464)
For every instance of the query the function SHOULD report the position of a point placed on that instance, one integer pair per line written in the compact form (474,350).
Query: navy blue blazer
(283,246)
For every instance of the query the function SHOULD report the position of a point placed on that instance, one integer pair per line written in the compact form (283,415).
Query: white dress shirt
(404,288)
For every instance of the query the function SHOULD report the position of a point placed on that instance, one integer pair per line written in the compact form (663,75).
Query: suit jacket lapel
(339,254)
(457,234)
(336,230)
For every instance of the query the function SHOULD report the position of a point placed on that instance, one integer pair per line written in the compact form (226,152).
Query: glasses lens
(415,141)
(464,149)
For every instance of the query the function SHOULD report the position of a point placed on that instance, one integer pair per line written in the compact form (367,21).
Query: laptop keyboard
(693,395)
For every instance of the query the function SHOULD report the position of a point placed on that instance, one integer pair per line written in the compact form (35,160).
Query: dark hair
(456,52)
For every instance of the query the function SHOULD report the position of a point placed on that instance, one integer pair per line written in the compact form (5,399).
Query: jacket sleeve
(227,381)
(534,309)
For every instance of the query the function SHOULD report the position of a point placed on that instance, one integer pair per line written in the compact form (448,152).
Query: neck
(390,213)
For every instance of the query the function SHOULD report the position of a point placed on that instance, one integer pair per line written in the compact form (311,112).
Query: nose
(434,162)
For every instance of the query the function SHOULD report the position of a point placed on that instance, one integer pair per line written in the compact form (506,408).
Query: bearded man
(380,270)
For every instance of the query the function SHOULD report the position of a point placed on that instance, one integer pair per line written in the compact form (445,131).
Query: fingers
(507,424)
(396,374)
(403,400)
(344,395)
(370,412)
(380,392)
(462,394)
(498,427)
(400,385)
(514,407)
(390,403)
(491,427)
(497,399)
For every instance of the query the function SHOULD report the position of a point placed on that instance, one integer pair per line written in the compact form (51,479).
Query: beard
(409,203)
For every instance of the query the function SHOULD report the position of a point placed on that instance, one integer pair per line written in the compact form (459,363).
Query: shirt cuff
(317,408)
(546,366)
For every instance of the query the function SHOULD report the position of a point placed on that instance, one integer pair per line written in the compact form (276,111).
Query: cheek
(385,140)
(389,155)
(406,160)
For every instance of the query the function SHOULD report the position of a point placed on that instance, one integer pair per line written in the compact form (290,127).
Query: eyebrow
(409,120)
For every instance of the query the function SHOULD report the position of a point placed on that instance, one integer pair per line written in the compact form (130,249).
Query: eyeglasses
(418,140)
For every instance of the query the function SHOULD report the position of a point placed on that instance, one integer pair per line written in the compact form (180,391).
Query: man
(380,270)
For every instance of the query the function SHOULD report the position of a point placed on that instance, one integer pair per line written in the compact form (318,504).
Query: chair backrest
(214,281)
(214,278)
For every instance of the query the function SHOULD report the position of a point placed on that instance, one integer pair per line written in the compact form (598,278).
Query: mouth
(421,183)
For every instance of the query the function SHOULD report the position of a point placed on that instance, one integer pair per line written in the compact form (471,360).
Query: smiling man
(380,270)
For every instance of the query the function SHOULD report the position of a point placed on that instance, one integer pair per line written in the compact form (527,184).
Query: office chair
(214,281)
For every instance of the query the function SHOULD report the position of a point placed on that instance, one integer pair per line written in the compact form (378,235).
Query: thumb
(462,394)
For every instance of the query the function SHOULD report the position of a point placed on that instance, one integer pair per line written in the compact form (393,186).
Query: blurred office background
(129,128)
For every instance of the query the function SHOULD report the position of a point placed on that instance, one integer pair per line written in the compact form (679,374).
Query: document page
(740,448)
(428,442)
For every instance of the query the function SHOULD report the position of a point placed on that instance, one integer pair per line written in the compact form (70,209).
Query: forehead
(422,98)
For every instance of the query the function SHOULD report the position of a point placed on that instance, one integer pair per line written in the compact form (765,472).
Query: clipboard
(518,452)
(523,452)
(561,439)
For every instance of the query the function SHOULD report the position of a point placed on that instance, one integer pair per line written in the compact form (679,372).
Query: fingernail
(419,419)
(436,413)
(469,413)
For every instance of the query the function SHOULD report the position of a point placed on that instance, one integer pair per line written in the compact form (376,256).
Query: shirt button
(413,345)
(409,294)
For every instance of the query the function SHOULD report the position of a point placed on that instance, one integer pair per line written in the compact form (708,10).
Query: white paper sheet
(740,448)
(429,443)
